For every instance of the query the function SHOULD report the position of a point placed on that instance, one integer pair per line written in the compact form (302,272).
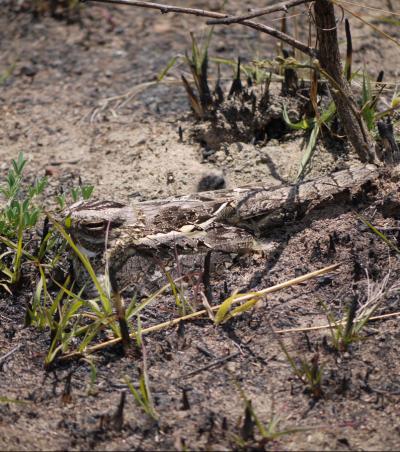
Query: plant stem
(330,61)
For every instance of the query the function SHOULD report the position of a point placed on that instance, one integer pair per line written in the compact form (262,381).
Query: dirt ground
(82,103)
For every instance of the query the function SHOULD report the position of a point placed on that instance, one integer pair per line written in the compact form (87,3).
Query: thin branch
(164,9)
(283,6)
(208,366)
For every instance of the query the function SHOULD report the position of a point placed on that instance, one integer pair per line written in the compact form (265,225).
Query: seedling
(268,432)
(380,234)
(18,216)
(83,192)
(308,372)
(63,312)
(6,400)
(142,395)
(7,73)
(346,331)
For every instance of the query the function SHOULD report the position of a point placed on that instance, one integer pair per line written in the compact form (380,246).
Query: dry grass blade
(374,27)
(380,10)
(325,327)
(193,99)
(197,314)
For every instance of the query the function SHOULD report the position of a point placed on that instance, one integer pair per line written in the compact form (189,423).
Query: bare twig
(209,366)
(164,9)
(282,6)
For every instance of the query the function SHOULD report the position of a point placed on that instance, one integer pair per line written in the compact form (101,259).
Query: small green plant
(268,432)
(203,100)
(69,318)
(369,99)
(308,372)
(142,395)
(83,192)
(380,234)
(19,215)
(7,73)
(224,313)
(347,331)
(313,126)
(181,302)
(91,387)
(7,400)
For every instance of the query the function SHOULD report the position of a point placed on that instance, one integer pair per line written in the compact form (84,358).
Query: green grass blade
(380,234)
(167,68)
(247,306)
(304,124)
(309,151)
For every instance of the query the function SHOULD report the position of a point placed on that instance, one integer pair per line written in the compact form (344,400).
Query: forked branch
(283,6)
(164,9)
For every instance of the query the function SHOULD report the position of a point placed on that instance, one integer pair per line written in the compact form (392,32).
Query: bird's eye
(101,225)
(95,226)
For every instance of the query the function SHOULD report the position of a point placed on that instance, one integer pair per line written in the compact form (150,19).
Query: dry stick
(208,366)
(204,13)
(283,6)
(174,322)
(325,327)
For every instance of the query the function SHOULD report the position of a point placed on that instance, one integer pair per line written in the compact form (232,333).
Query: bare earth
(59,119)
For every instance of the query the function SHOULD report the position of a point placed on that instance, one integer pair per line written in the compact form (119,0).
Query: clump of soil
(251,116)
(249,112)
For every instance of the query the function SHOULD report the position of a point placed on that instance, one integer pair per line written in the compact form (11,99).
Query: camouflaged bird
(140,242)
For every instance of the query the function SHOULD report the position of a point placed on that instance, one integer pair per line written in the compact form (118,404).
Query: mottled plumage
(228,221)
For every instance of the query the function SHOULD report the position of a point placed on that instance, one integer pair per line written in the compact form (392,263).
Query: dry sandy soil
(61,106)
